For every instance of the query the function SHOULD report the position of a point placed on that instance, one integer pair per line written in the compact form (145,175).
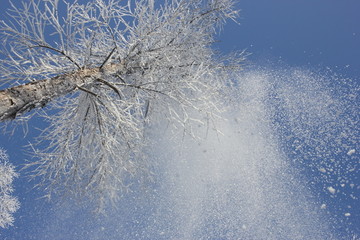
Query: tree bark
(17,100)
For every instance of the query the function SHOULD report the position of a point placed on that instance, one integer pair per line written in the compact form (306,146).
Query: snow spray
(283,164)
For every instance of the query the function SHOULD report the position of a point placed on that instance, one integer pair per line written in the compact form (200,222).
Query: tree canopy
(106,69)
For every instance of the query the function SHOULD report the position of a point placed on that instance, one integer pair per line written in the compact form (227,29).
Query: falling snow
(285,125)
(351,152)
(331,190)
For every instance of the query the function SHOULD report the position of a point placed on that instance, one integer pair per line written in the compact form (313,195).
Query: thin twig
(107,58)
(109,85)
(87,91)
(58,51)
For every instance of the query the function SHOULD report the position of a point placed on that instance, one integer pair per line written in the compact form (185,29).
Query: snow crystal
(323,206)
(351,152)
(331,190)
(347,214)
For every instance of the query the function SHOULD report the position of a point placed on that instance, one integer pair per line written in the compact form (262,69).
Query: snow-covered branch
(8,203)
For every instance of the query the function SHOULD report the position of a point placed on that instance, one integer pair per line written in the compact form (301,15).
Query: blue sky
(318,35)
(300,33)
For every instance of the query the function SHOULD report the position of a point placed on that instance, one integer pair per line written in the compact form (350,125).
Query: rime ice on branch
(8,203)
(108,67)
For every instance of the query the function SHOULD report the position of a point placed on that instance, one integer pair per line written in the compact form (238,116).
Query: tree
(106,69)
(8,203)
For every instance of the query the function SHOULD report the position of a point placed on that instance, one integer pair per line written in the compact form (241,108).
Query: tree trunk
(17,100)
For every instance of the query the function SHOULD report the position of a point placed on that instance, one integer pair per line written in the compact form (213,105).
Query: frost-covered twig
(8,203)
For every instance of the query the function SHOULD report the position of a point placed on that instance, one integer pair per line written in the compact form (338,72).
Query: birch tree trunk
(17,100)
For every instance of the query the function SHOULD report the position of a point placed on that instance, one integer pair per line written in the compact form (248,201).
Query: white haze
(288,138)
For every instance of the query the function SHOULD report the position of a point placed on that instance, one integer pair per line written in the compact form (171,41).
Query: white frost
(8,203)
(331,190)
(351,152)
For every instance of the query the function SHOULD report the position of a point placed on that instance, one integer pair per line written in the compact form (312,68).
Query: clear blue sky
(317,33)
(314,34)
